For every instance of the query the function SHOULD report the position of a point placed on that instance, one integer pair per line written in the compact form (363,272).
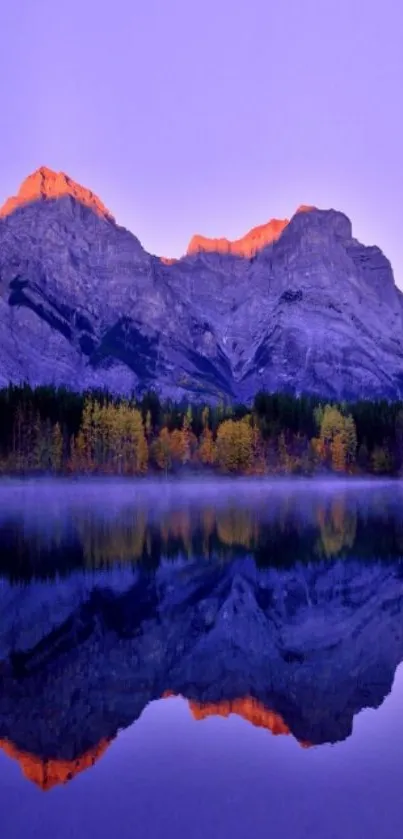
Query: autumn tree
(56,457)
(338,439)
(186,434)
(162,450)
(283,456)
(235,445)
(179,447)
(338,452)
(207,448)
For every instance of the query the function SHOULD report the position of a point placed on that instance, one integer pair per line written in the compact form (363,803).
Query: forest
(49,430)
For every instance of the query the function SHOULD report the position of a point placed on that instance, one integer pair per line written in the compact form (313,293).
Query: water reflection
(54,529)
(281,608)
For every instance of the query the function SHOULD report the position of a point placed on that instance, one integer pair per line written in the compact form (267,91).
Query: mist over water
(187,655)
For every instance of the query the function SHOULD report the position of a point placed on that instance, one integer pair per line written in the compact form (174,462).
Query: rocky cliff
(294,305)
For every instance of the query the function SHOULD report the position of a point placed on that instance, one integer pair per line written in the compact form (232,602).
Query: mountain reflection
(286,614)
(248,708)
(47,773)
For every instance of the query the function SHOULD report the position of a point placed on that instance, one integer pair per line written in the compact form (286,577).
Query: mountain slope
(83,304)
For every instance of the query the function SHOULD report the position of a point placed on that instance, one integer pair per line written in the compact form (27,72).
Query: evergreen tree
(57,448)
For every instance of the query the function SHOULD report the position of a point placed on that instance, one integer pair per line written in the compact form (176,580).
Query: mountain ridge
(45,183)
(83,305)
(247,245)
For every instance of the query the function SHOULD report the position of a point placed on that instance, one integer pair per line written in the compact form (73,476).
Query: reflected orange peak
(49,773)
(45,183)
(248,708)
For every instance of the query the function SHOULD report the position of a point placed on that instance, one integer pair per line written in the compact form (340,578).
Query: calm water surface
(201,659)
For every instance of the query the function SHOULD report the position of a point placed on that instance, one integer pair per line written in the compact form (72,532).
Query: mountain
(297,306)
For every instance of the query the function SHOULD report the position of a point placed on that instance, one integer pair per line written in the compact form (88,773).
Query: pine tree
(205,417)
(399,440)
(186,433)
(57,449)
(363,457)
(381,460)
(283,458)
(85,439)
(350,441)
(148,425)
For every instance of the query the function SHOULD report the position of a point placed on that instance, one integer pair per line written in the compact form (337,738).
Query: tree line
(57,431)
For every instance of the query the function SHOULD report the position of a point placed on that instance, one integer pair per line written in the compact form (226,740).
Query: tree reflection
(287,528)
(338,527)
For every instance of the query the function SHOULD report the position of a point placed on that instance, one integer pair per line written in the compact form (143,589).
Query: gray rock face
(82,304)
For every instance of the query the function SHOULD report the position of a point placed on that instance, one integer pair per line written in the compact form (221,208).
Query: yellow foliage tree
(338,451)
(235,445)
(338,439)
(207,449)
(162,450)
(111,439)
(179,446)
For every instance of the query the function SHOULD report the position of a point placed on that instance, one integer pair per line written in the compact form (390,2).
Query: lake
(201,659)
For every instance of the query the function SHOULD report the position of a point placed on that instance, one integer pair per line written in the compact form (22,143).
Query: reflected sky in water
(167,775)
(220,659)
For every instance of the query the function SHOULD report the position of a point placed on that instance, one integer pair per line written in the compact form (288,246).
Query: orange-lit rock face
(44,183)
(48,773)
(248,708)
(248,245)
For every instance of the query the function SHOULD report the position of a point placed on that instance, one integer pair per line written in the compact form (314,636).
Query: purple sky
(210,116)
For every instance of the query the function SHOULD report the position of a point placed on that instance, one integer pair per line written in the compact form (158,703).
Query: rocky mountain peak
(44,183)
